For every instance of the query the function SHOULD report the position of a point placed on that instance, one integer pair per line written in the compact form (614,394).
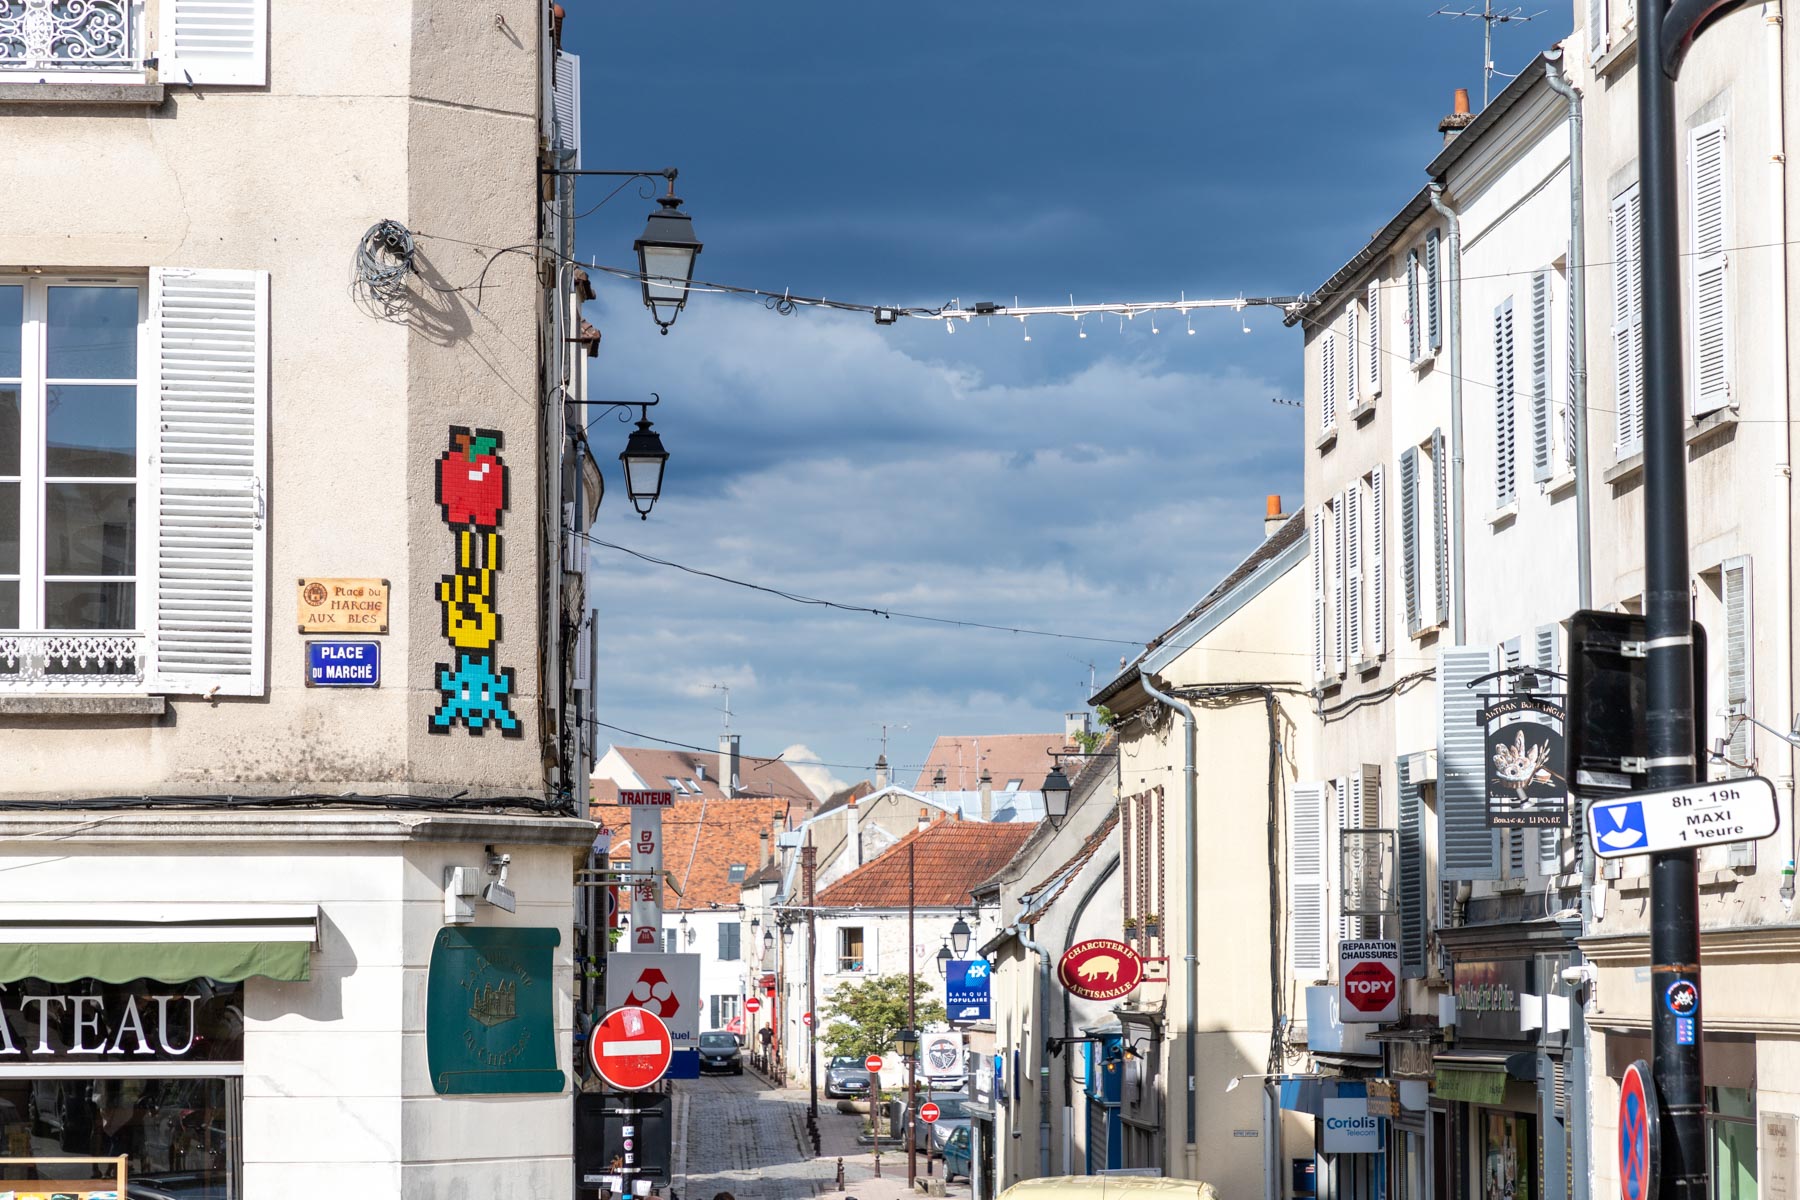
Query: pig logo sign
(1100,969)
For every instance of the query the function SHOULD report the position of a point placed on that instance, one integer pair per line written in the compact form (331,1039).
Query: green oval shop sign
(490,1025)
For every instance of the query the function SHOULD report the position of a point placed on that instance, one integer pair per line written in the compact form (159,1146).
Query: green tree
(866,1015)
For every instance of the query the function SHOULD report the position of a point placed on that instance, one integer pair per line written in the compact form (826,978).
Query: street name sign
(1695,814)
(631,1049)
(343,664)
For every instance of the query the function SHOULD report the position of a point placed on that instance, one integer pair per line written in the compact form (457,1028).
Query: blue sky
(909,154)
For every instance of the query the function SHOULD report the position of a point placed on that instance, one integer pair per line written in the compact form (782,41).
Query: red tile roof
(1006,756)
(949,858)
(1058,881)
(756,776)
(702,839)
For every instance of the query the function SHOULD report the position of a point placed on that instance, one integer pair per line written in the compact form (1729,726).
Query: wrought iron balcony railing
(41,38)
(72,661)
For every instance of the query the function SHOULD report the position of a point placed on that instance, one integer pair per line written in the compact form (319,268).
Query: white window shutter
(1307,882)
(1353,574)
(1540,377)
(1440,528)
(1373,357)
(1569,391)
(1319,616)
(1544,657)
(1467,847)
(1410,537)
(1711,389)
(1328,381)
(1598,29)
(1376,519)
(1434,323)
(211,333)
(565,93)
(1740,693)
(218,42)
(1413,342)
(1352,353)
(1339,580)
(1506,418)
(1349,800)
(1627,329)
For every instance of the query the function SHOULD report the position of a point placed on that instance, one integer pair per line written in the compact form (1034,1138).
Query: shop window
(146,1094)
(850,949)
(1508,1155)
(1731,1116)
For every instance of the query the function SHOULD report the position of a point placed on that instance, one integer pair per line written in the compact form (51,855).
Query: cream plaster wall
(425,112)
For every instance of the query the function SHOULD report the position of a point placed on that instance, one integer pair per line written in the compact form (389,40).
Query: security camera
(1578,975)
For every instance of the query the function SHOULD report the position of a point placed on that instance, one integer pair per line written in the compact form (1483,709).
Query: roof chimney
(987,795)
(1075,724)
(728,763)
(1273,517)
(1459,118)
(762,854)
(881,774)
(924,816)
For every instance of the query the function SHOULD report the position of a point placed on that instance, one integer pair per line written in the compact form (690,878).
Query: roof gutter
(1192,932)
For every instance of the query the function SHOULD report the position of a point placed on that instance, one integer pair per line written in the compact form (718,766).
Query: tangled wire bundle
(384,259)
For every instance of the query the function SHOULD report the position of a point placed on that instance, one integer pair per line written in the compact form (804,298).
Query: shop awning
(1471,1084)
(119,943)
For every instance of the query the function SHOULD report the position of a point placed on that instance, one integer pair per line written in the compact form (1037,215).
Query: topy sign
(647,798)
(1695,814)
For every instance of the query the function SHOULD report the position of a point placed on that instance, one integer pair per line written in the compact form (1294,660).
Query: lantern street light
(666,251)
(959,936)
(907,1042)
(1056,795)
(943,961)
(768,941)
(644,457)
(787,935)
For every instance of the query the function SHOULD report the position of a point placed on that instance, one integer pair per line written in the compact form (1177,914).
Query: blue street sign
(999,1080)
(343,664)
(1620,827)
(966,994)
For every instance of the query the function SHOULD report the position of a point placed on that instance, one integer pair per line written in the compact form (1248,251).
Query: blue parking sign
(343,664)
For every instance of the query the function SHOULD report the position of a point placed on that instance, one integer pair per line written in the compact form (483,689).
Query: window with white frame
(133,428)
(1424,535)
(850,948)
(212,42)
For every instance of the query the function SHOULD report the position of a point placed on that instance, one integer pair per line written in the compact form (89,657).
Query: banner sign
(646,880)
(967,997)
(1349,1129)
(1527,764)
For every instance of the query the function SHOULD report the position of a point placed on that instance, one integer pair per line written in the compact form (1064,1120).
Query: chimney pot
(881,772)
(1273,517)
(1462,102)
(1459,118)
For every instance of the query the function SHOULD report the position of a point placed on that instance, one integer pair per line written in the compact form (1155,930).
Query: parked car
(719,1051)
(953,1114)
(846,1078)
(958,1155)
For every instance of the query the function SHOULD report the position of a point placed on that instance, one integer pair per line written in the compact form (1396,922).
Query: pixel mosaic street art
(471,496)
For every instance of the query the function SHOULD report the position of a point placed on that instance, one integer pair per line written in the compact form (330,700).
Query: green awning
(167,962)
(1471,1084)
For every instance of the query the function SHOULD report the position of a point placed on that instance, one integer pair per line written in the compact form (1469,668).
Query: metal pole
(1674,890)
(809,862)
(912,1023)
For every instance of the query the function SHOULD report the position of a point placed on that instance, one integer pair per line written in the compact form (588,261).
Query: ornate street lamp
(959,937)
(907,1042)
(787,935)
(666,251)
(1056,795)
(643,457)
(943,961)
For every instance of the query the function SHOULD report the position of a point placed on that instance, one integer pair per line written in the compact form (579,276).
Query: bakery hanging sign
(1526,773)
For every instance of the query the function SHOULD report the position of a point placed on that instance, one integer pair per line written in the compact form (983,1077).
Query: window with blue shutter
(1434,317)
(1506,417)
(1541,325)
(1410,870)
(1414,343)
(1410,508)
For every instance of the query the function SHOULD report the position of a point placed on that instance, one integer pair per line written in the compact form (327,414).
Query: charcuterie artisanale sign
(1100,969)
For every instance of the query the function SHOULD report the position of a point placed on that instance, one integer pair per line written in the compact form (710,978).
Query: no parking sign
(1638,1133)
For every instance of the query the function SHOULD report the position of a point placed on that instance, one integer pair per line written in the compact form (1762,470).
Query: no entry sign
(928,1112)
(1369,981)
(630,1049)
(752,1005)
(872,1063)
(806,1019)
(1637,1133)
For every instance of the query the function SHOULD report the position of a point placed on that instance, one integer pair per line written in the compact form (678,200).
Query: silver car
(846,1078)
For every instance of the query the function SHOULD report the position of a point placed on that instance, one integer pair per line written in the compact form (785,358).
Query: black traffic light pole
(1665,30)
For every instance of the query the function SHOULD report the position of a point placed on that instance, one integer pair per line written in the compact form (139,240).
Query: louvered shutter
(1339,578)
(1506,418)
(1306,881)
(1412,306)
(212,360)
(565,93)
(1739,690)
(1572,389)
(1544,656)
(1352,354)
(1441,528)
(1598,29)
(1540,376)
(1434,321)
(1410,873)
(1627,330)
(1353,574)
(1376,519)
(1409,537)
(218,42)
(1712,341)
(1348,800)
(1467,847)
(1328,381)
(1373,358)
(1319,615)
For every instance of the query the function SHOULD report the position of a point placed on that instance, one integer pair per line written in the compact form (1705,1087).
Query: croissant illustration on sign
(471,495)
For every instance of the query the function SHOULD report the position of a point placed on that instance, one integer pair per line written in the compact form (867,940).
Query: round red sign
(752,1005)
(1100,969)
(1369,986)
(928,1112)
(872,1063)
(630,1048)
(806,1020)
(1638,1133)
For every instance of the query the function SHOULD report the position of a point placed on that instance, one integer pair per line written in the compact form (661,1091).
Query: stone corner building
(234,944)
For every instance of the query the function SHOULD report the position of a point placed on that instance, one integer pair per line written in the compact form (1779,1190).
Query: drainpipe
(1584,561)
(1578,1046)
(1040,1035)
(1271,1141)
(1192,932)
(1459,607)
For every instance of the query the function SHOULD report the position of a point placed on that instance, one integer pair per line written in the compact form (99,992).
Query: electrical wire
(300,800)
(1398,687)
(383,262)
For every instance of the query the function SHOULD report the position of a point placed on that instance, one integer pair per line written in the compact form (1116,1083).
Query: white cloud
(820,779)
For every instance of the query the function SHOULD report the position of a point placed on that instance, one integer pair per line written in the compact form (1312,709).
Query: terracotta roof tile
(1060,879)
(950,857)
(756,776)
(1005,756)
(702,839)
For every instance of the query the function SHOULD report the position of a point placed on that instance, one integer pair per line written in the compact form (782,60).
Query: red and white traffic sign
(872,1063)
(1369,981)
(630,1049)
(928,1112)
(806,1019)
(752,1005)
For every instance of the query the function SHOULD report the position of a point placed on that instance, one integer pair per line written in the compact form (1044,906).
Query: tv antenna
(885,726)
(726,688)
(1489,17)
